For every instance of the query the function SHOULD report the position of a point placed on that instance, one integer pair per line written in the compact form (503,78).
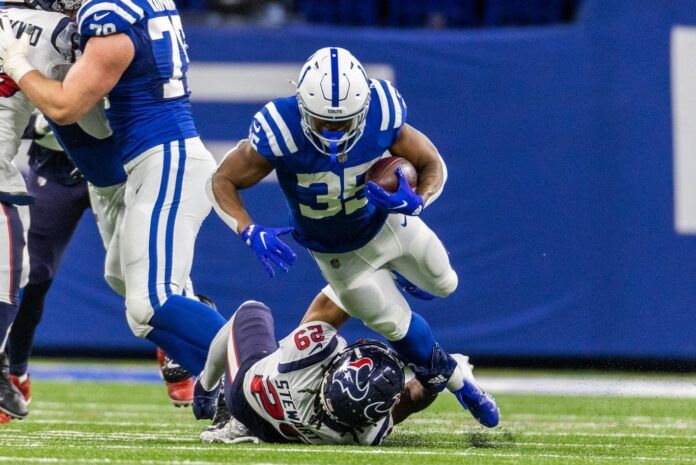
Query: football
(383,173)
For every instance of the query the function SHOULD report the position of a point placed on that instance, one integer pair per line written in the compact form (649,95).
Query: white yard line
(366,451)
(590,386)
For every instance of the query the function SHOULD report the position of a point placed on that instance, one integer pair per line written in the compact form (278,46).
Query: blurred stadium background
(568,214)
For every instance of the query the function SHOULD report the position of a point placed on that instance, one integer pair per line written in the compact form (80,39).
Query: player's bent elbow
(64,116)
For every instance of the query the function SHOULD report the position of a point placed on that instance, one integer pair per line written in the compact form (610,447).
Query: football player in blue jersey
(134,52)
(321,142)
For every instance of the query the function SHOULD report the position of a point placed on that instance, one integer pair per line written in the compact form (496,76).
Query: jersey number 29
(169,49)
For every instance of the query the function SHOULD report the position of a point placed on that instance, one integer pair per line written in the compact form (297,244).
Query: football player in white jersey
(311,387)
(51,50)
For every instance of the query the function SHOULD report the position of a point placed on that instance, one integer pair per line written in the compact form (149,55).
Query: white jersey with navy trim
(282,388)
(328,208)
(51,53)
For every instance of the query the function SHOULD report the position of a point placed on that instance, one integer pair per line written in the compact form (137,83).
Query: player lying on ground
(134,51)
(310,388)
(321,142)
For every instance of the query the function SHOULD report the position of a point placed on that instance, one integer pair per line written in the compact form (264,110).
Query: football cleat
(222,415)
(205,402)
(478,402)
(23,383)
(12,402)
(179,381)
(232,432)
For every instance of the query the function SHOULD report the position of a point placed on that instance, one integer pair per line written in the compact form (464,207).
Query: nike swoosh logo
(102,16)
(262,236)
(316,348)
(404,223)
(403,204)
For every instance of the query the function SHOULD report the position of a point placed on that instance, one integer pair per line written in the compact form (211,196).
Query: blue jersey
(96,159)
(328,208)
(150,104)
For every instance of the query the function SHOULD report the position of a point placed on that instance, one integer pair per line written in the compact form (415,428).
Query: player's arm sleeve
(393,111)
(100,18)
(311,345)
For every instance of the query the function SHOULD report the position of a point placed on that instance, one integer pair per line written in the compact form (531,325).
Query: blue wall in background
(558,213)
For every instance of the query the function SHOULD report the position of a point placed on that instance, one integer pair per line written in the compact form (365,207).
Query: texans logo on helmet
(377,410)
(353,380)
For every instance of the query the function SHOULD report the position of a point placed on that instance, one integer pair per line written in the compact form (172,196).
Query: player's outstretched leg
(13,264)
(375,299)
(161,222)
(436,369)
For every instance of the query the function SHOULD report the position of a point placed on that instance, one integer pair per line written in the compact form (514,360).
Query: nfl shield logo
(335,263)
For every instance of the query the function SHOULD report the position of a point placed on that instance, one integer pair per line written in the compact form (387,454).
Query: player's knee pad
(252,305)
(116,284)
(139,329)
(438,265)
(139,309)
(446,283)
(388,317)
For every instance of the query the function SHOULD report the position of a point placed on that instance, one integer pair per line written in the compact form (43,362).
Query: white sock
(215,364)
(461,373)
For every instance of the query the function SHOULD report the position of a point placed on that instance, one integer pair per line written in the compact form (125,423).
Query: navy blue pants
(55,214)
(253,338)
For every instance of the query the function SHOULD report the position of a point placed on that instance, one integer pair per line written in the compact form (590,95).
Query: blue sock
(188,356)
(417,346)
(189,320)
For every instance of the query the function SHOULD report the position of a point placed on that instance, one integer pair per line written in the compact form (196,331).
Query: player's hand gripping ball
(390,184)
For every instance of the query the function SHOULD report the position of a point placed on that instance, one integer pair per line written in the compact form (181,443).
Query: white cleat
(233,432)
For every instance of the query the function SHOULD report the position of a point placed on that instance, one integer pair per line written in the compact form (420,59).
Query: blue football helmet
(362,384)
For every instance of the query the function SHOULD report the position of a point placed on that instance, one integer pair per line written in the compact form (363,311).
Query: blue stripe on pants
(171,220)
(154,226)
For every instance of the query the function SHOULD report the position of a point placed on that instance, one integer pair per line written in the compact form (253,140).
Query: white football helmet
(333,93)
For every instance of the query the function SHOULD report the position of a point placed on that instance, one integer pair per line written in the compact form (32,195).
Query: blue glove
(434,378)
(268,248)
(405,200)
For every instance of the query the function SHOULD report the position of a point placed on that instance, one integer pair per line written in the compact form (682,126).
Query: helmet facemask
(336,136)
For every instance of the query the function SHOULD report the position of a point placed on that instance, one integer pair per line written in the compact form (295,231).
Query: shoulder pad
(105,17)
(272,132)
(392,106)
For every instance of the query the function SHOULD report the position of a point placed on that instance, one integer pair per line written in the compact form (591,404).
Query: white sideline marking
(330,450)
(589,386)
(208,447)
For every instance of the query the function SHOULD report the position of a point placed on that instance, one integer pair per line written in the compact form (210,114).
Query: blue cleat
(479,403)
(410,288)
(204,402)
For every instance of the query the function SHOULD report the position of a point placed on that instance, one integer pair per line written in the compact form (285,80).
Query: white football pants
(165,205)
(361,284)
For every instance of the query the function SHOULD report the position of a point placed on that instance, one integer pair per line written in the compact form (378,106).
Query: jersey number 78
(169,49)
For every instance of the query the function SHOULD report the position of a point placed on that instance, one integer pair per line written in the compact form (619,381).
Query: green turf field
(87,422)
